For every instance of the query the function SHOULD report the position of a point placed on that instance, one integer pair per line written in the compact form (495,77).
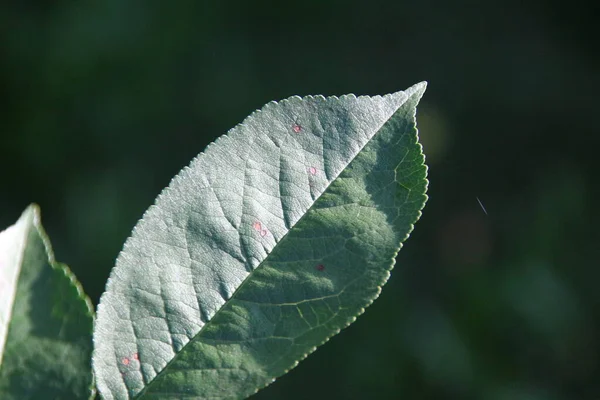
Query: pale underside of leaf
(48,324)
(12,243)
(274,239)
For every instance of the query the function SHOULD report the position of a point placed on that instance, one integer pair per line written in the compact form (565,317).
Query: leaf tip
(30,213)
(417,89)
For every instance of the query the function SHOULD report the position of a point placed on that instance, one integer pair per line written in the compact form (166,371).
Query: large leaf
(45,319)
(269,243)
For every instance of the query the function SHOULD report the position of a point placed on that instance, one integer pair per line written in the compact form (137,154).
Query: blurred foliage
(103,102)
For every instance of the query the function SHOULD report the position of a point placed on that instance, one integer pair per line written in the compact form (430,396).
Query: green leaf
(269,243)
(45,319)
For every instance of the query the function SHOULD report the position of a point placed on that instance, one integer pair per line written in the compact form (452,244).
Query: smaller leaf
(46,320)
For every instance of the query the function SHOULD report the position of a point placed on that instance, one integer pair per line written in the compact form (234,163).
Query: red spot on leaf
(320,267)
(125,361)
(136,356)
(259,228)
(313,171)
(296,128)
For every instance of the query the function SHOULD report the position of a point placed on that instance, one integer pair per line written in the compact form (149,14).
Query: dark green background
(103,102)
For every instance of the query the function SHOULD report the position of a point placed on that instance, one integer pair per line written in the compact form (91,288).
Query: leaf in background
(270,242)
(46,320)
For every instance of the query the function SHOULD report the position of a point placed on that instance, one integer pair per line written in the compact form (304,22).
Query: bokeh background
(103,102)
